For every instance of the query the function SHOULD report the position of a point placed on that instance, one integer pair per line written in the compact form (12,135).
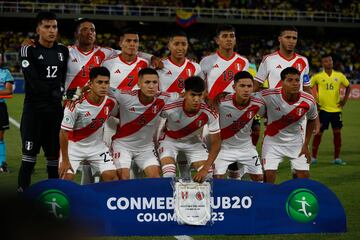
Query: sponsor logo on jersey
(40,57)
(117,71)
(278,66)
(169,73)
(277,108)
(132,109)
(216,66)
(302,205)
(87,114)
(74,60)
(61,56)
(228,115)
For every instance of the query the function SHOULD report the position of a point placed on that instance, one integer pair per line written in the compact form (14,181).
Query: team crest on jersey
(200,123)
(188,72)
(299,67)
(300,111)
(106,110)
(184,195)
(336,79)
(155,109)
(238,67)
(61,56)
(250,114)
(97,60)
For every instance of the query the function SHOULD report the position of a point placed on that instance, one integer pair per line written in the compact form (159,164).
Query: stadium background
(335,30)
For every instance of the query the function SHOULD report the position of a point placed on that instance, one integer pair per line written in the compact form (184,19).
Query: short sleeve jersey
(173,76)
(285,119)
(85,122)
(124,75)
(80,64)
(184,127)
(272,65)
(329,89)
(219,72)
(235,121)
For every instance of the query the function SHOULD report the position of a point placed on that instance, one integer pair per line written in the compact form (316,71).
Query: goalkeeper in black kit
(44,67)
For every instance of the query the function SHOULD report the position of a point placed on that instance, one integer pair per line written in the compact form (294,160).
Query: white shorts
(273,154)
(143,159)
(99,162)
(110,129)
(246,157)
(194,152)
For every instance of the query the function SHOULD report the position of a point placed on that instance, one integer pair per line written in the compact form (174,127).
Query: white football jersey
(235,121)
(219,72)
(172,76)
(124,75)
(80,64)
(272,65)
(138,122)
(180,126)
(85,123)
(285,119)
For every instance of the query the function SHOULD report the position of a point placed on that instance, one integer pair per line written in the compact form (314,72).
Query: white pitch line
(14,122)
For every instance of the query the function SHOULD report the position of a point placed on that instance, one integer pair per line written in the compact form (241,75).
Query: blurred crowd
(346,53)
(346,7)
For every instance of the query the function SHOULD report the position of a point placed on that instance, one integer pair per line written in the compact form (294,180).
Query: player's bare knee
(124,173)
(219,176)
(152,172)
(257,177)
(110,175)
(302,174)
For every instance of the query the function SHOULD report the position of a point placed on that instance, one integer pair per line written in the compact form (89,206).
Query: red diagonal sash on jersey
(132,78)
(299,64)
(82,77)
(200,121)
(297,113)
(178,84)
(141,121)
(220,84)
(79,134)
(233,128)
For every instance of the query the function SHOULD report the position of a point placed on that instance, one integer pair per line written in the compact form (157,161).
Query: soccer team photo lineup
(93,103)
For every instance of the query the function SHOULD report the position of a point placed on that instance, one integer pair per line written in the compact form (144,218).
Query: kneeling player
(237,112)
(185,119)
(286,109)
(81,134)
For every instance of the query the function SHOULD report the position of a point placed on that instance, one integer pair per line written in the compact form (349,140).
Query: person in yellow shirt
(328,84)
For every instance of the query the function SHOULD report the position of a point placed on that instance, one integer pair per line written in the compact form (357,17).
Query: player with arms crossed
(328,84)
(81,134)
(139,112)
(286,110)
(185,119)
(236,114)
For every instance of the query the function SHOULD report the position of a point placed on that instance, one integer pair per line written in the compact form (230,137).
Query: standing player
(219,68)
(139,112)
(237,112)
(44,69)
(185,119)
(81,134)
(286,110)
(6,89)
(328,84)
(273,64)
(177,67)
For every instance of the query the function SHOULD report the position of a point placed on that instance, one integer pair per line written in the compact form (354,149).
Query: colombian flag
(185,18)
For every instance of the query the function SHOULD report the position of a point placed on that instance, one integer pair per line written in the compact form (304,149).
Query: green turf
(343,180)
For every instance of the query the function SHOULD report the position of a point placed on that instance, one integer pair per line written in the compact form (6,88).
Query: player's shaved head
(287,28)
(242,75)
(195,84)
(289,70)
(45,16)
(98,71)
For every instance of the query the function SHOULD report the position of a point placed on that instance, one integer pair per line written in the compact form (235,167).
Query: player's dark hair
(195,84)
(129,31)
(147,71)
(287,28)
(45,16)
(177,33)
(99,71)
(288,70)
(224,28)
(325,55)
(242,75)
(81,21)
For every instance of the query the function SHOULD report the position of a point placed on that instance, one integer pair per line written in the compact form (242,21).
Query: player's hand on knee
(200,176)
(305,150)
(64,166)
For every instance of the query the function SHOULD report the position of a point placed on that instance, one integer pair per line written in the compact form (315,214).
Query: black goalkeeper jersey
(44,72)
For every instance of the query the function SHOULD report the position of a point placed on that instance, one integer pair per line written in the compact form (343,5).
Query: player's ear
(120,41)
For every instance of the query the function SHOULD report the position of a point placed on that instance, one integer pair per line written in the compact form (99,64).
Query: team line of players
(218,70)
